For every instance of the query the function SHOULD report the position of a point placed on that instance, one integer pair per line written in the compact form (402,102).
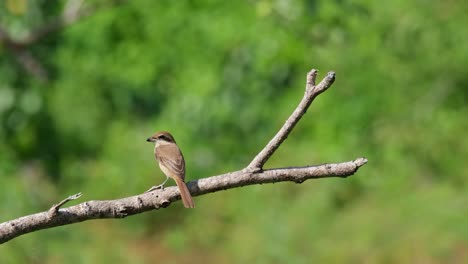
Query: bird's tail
(184,193)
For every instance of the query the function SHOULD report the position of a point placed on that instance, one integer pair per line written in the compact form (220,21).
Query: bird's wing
(165,155)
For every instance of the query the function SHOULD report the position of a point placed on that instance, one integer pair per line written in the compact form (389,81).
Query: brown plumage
(172,163)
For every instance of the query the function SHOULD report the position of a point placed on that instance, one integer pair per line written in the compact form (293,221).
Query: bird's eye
(162,137)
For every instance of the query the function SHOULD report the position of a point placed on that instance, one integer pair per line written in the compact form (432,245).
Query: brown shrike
(172,163)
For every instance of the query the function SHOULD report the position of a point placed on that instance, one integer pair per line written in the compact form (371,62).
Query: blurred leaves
(223,77)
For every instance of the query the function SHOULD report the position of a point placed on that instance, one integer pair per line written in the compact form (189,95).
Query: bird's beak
(149,140)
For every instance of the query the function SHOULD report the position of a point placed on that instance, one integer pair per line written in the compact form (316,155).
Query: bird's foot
(160,186)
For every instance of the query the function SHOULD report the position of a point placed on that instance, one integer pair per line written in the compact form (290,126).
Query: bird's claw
(161,186)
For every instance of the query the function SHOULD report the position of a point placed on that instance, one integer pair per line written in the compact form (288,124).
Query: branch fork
(54,210)
(254,173)
(311,92)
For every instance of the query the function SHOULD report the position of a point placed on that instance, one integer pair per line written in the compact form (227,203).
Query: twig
(311,92)
(253,174)
(53,211)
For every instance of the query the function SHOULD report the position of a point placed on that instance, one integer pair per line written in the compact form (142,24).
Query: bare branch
(253,174)
(311,92)
(121,208)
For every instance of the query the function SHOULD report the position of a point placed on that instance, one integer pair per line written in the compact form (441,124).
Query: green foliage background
(223,76)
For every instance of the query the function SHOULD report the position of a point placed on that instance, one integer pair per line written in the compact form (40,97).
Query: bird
(172,164)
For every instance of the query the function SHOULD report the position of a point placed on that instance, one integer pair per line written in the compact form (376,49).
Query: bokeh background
(78,102)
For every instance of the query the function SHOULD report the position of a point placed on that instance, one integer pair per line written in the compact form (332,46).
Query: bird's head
(162,136)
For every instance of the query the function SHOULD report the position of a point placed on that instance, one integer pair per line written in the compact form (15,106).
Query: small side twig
(53,211)
(311,92)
